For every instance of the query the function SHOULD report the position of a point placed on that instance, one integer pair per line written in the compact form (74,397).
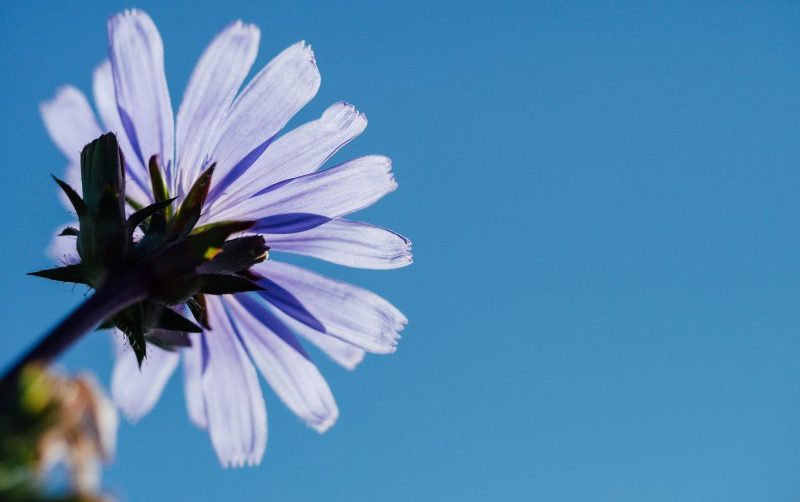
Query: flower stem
(114,295)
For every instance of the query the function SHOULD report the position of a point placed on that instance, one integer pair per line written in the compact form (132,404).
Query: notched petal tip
(344,115)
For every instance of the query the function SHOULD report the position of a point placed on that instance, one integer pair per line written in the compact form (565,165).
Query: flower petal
(237,416)
(71,123)
(300,151)
(343,353)
(138,179)
(137,64)
(215,81)
(349,243)
(334,192)
(192,383)
(273,97)
(283,362)
(342,310)
(136,391)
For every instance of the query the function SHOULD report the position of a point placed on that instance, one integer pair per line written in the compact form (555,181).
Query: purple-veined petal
(192,383)
(135,390)
(300,151)
(346,354)
(283,362)
(353,314)
(335,192)
(137,64)
(349,243)
(214,83)
(63,249)
(237,415)
(137,186)
(273,97)
(71,123)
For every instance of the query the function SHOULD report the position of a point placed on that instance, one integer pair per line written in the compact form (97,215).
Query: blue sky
(603,199)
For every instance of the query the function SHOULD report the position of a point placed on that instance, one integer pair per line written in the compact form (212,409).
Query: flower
(263,175)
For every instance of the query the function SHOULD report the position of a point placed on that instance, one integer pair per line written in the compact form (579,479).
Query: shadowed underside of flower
(263,175)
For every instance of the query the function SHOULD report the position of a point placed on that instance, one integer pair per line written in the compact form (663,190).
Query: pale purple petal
(138,179)
(273,97)
(334,192)
(237,416)
(137,64)
(353,314)
(215,81)
(280,358)
(343,353)
(71,123)
(136,391)
(63,249)
(300,151)
(192,383)
(349,243)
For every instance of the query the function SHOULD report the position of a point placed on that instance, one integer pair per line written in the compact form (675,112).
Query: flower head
(262,175)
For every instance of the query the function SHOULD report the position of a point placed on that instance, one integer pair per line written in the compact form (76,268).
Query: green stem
(116,294)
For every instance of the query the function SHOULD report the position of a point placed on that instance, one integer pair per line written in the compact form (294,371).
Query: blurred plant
(47,420)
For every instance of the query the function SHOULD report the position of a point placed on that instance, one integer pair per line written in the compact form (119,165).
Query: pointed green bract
(189,212)
(79,274)
(142,214)
(224,284)
(177,262)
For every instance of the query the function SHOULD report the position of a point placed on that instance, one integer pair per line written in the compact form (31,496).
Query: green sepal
(167,319)
(69,231)
(142,214)
(78,273)
(131,322)
(168,340)
(200,246)
(223,284)
(197,306)
(160,191)
(77,203)
(135,205)
(189,212)
(154,235)
(237,255)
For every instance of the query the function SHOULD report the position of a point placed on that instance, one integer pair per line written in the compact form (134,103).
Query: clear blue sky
(604,200)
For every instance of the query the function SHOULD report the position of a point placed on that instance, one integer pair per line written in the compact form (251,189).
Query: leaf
(189,212)
(222,284)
